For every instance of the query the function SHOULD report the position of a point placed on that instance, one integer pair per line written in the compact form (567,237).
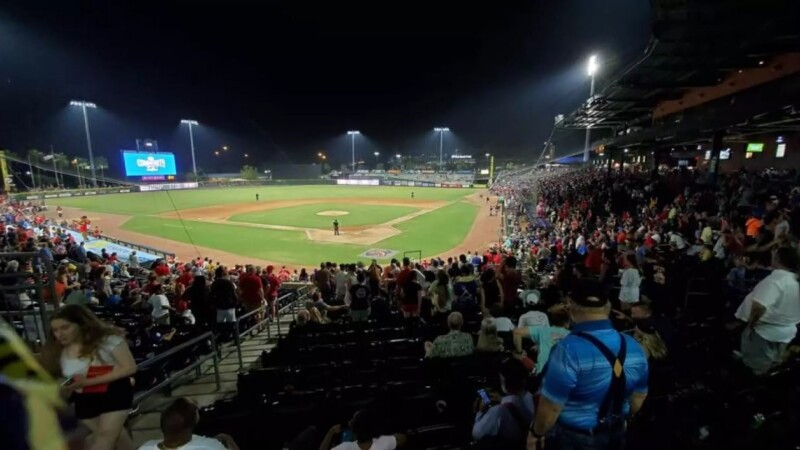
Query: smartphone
(68,381)
(484,396)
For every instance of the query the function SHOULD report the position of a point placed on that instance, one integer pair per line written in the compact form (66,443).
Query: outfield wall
(29,196)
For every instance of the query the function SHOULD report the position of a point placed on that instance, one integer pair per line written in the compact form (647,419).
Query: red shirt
(274,284)
(250,285)
(403,277)
(186,278)
(594,260)
(161,270)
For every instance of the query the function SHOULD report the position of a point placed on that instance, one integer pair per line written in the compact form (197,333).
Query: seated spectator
(502,322)
(544,336)
(314,314)
(504,422)
(453,344)
(488,340)
(772,313)
(651,342)
(365,431)
(441,293)
(178,422)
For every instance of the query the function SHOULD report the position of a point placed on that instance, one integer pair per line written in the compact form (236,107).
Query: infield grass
(305,216)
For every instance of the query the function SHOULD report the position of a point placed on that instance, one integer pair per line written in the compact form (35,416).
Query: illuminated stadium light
(83,105)
(352,134)
(191,123)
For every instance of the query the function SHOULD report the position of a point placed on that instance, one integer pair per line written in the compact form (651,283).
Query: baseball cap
(588,293)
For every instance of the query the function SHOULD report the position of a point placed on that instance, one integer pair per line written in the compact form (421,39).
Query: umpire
(594,380)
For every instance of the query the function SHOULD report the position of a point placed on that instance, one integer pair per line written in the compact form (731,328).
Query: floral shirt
(452,344)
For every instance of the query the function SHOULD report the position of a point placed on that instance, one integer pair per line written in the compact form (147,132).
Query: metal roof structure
(710,65)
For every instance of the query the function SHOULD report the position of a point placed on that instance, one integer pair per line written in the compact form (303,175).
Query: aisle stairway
(144,423)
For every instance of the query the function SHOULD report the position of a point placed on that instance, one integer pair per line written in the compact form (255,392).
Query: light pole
(591,69)
(376,159)
(84,105)
(191,123)
(352,134)
(441,131)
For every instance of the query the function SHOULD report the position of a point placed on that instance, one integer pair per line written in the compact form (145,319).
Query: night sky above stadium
(282,80)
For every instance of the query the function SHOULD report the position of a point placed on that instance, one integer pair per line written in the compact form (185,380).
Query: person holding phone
(502,422)
(97,364)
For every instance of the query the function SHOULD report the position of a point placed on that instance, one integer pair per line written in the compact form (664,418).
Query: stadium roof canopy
(711,65)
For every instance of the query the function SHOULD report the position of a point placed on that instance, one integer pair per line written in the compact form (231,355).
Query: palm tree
(101,163)
(80,164)
(34,155)
(60,161)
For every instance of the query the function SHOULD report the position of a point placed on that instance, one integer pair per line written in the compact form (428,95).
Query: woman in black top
(491,288)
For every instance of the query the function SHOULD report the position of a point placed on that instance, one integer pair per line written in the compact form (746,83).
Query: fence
(292,299)
(24,303)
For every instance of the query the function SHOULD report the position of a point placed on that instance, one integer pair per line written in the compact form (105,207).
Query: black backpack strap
(517,415)
(615,397)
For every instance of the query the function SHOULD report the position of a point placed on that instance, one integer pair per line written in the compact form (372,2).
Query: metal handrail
(301,294)
(195,366)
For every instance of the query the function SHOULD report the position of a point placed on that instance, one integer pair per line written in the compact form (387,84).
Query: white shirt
(197,443)
(381,443)
(503,324)
(341,283)
(133,262)
(532,318)
(104,356)
(677,240)
(630,281)
(159,304)
(779,293)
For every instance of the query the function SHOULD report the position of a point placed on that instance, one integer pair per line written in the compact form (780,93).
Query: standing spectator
(491,290)
(544,336)
(160,306)
(251,292)
(323,281)
(197,296)
(630,281)
(222,296)
(97,364)
(441,293)
(359,299)
(772,313)
(272,292)
(595,378)
(511,280)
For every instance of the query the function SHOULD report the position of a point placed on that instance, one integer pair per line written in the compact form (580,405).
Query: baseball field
(293,225)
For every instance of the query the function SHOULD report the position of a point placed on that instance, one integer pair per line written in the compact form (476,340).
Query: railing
(195,366)
(36,324)
(139,247)
(300,295)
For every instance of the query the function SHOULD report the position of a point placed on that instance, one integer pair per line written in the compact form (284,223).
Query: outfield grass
(433,233)
(144,203)
(305,216)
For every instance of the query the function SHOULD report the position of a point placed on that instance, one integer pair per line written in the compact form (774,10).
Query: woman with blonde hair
(97,364)
(488,340)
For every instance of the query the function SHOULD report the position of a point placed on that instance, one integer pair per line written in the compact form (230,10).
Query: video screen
(146,164)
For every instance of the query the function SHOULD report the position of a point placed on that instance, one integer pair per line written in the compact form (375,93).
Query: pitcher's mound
(333,213)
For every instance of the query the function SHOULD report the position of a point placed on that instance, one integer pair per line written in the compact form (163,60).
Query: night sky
(283,80)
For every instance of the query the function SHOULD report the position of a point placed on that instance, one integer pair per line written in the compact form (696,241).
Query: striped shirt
(578,376)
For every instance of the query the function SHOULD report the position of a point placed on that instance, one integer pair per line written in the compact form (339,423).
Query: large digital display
(142,164)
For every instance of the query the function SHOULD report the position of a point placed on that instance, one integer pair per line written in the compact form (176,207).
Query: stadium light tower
(352,134)
(591,70)
(191,123)
(83,105)
(441,131)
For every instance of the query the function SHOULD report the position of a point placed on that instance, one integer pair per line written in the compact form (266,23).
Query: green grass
(305,216)
(146,203)
(433,233)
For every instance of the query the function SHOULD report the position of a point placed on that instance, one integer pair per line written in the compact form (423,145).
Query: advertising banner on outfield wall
(358,182)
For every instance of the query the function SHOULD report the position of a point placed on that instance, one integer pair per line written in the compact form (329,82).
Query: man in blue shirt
(595,378)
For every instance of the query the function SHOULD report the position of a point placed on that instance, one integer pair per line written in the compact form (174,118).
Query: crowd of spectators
(595,293)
